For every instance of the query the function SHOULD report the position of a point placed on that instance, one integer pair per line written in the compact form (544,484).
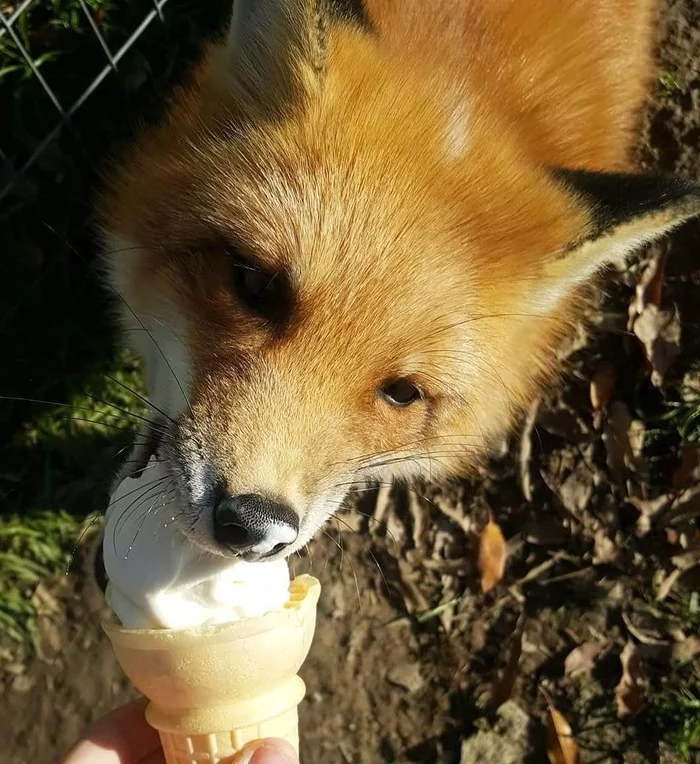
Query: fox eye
(401,392)
(262,292)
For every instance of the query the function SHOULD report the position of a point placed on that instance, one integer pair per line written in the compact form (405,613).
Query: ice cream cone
(215,688)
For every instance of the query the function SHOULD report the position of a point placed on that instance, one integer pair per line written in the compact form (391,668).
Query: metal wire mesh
(10,19)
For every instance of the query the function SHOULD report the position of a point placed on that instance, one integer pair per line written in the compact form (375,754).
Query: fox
(349,251)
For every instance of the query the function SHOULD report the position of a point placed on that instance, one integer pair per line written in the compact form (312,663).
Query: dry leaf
(582,659)
(417,510)
(631,691)
(667,584)
(561,746)
(492,555)
(601,390)
(650,284)
(647,627)
(651,511)
(686,650)
(382,506)
(605,550)
(564,423)
(624,439)
(659,331)
(685,507)
(636,433)
(413,598)
(525,451)
(576,490)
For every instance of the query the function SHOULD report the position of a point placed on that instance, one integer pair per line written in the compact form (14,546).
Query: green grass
(669,82)
(31,548)
(58,340)
(684,414)
(676,712)
(55,471)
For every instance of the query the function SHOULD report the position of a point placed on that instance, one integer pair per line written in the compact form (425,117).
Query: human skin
(124,737)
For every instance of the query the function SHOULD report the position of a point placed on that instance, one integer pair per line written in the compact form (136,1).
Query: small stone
(505,743)
(407,676)
(22,683)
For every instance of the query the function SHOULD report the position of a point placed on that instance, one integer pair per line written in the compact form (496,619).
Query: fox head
(341,265)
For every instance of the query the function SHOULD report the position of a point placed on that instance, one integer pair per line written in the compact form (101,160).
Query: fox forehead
(359,191)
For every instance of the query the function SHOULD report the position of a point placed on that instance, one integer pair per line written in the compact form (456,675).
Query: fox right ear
(277,48)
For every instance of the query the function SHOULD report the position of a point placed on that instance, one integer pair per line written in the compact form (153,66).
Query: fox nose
(254,526)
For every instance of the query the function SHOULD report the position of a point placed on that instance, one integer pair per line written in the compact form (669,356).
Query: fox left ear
(624,212)
(277,48)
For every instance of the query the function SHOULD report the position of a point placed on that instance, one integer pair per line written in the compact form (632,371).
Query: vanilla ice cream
(159,579)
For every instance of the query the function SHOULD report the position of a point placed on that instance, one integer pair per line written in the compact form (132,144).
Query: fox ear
(624,212)
(277,48)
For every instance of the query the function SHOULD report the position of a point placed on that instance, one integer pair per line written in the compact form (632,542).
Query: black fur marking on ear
(619,198)
(99,570)
(346,12)
(328,12)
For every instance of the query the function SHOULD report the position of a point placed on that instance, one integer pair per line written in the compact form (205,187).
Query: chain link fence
(31,34)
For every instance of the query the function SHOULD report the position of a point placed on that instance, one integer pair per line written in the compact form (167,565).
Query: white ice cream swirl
(158,579)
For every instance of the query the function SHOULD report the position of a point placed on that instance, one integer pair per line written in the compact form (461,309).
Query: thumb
(268,751)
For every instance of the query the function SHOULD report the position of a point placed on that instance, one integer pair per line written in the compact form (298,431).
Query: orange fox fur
(399,176)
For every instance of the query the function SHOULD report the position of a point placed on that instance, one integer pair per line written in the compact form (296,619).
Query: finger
(157,757)
(123,736)
(268,751)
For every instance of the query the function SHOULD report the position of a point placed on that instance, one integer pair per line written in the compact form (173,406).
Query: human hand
(125,737)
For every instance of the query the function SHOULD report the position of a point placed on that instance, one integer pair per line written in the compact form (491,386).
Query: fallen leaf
(395,528)
(636,434)
(582,658)
(381,507)
(647,627)
(685,507)
(686,650)
(605,550)
(413,598)
(623,438)
(417,511)
(651,511)
(631,691)
(564,423)
(659,331)
(561,746)
(650,284)
(576,490)
(601,390)
(667,584)
(525,451)
(492,555)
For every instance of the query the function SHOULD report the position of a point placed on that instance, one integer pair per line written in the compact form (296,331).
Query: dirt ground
(592,532)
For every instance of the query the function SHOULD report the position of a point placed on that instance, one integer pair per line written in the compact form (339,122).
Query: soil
(388,678)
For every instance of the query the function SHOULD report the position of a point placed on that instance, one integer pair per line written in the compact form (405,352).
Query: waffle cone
(213,689)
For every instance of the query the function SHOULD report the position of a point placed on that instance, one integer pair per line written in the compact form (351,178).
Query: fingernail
(274,752)
(271,751)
